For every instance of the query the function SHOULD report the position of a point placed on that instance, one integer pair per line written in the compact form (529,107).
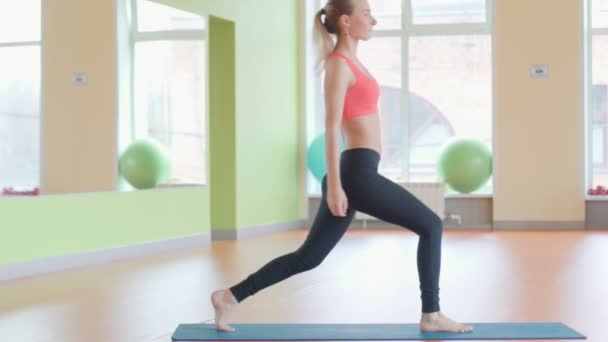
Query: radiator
(430,193)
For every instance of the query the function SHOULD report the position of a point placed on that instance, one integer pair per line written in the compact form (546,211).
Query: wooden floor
(370,277)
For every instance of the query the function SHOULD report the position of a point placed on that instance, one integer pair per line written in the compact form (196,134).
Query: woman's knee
(303,262)
(433,226)
(437,224)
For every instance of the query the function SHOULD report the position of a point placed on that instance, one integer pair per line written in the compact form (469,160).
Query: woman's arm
(338,76)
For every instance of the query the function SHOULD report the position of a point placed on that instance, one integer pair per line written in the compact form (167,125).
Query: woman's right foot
(223,302)
(437,321)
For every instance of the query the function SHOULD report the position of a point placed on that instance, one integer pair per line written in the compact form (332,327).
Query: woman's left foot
(438,322)
(223,302)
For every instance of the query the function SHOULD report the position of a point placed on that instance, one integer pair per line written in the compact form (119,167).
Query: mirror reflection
(119,108)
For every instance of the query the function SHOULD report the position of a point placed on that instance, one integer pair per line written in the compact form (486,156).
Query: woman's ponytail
(322,39)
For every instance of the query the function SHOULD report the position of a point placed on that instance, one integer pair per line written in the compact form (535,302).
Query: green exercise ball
(145,163)
(316,157)
(465,164)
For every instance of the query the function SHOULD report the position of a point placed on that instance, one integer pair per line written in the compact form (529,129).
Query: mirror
(109,102)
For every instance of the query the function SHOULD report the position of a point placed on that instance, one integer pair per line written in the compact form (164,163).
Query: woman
(352,182)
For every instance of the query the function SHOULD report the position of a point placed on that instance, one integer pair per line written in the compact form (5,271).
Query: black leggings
(371,193)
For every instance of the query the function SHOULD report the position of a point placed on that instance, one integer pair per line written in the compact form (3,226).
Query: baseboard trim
(498,225)
(380,224)
(64,262)
(539,225)
(219,234)
(597,227)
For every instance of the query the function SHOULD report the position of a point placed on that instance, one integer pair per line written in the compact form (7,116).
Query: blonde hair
(326,24)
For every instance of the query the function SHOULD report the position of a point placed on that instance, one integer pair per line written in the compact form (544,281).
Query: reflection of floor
(370,277)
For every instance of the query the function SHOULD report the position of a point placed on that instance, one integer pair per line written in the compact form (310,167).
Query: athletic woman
(352,182)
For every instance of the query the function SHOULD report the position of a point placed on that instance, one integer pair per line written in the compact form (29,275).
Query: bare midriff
(362,131)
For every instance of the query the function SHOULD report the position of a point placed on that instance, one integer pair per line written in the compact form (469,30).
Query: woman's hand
(337,201)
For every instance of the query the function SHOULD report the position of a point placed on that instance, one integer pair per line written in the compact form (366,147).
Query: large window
(170,58)
(597,113)
(20,94)
(433,60)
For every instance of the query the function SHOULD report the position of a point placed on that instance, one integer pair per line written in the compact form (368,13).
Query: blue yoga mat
(351,332)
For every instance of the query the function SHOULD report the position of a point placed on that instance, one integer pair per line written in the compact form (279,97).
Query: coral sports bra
(362,97)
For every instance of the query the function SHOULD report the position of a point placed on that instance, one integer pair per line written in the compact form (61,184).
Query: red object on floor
(599,190)
(12,192)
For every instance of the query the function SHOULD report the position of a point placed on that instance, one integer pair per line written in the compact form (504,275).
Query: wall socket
(453,219)
(79,79)
(539,70)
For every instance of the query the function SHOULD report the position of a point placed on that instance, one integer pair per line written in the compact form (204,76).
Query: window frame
(589,32)
(313,98)
(38,44)
(135,37)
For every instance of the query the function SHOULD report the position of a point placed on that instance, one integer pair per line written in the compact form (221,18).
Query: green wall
(266,106)
(267,131)
(266,177)
(222,123)
(59,225)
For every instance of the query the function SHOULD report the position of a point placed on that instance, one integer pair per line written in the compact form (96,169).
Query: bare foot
(223,301)
(437,321)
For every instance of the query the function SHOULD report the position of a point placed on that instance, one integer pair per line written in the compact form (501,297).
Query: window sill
(454,196)
(469,196)
(17,196)
(179,184)
(596,198)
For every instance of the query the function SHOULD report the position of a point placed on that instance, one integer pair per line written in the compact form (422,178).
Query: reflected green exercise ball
(316,160)
(145,163)
(465,164)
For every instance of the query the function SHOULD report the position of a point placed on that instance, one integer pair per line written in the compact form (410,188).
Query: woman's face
(361,21)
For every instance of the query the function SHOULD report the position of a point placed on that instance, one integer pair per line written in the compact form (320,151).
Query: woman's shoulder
(337,55)
(335,63)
